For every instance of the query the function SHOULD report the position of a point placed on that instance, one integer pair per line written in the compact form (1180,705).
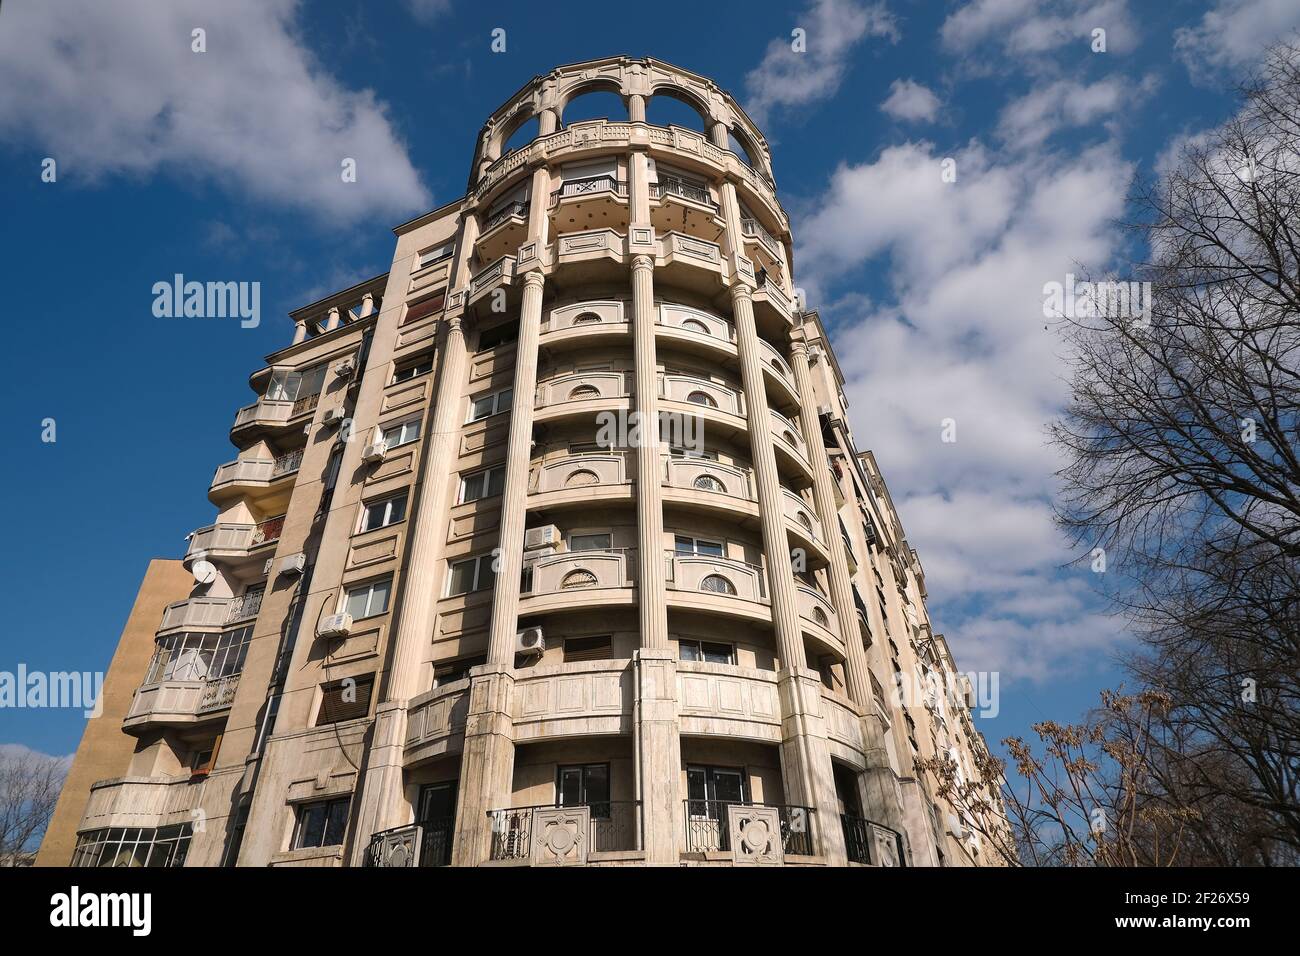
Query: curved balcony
(252,476)
(771,302)
(803,526)
(692,263)
(499,275)
(578,480)
(435,722)
(591,256)
(702,404)
(582,394)
(763,246)
(270,415)
(843,721)
(577,699)
(717,585)
(685,207)
(196,614)
(231,542)
(595,322)
(141,802)
(180,703)
(791,450)
(702,484)
(729,701)
(695,331)
(578,579)
(778,375)
(596,202)
(818,620)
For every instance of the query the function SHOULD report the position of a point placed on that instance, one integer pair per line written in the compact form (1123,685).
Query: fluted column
(636,108)
(857,675)
(487,762)
(383,804)
(299,331)
(333,321)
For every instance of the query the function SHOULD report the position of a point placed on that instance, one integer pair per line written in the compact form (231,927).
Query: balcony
(178,703)
(270,415)
(141,802)
(196,614)
(717,585)
(768,250)
(702,392)
(817,617)
(710,825)
(872,844)
(576,579)
(499,275)
(771,302)
(778,374)
(577,480)
(248,476)
(804,526)
(582,393)
(427,843)
(704,477)
(436,722)
(692,262)
(672,188)
(728,701)
(791,450)
(503,231)
(696,332)
(580,323)
(550,835)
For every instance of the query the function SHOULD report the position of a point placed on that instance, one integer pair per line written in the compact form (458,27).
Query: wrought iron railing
(872,843)
(516,208)
(615,826)
(286,463)
(245,606)
(305,404)
(707,826)
(590,186)
(415,844)
(267,531)
(668,186)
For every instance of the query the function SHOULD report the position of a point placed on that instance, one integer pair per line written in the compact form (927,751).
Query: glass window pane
(481,408)
(589,542)
(688,650)
(496,481)
(708,547)
(337,822)
(462,577)
(684,545)
(311,825)
(717,653)
(379,596)
(596,787)
(570,786)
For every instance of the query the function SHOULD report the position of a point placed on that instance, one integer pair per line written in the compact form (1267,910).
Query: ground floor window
(133,846)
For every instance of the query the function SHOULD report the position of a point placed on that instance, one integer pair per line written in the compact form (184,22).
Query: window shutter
(335,708)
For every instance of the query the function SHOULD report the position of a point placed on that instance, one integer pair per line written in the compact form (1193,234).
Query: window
(401,433)
(133,846)
(424,309)
(581,478)
(583,392)
(493,403)
(410,370)
(714,785)
(584,785)
(708,483)
(586,318)
(472,574)
(191,656)
(482,484)
(681,451)
(695,325)
(435,255)
(710,652)
(322,823)
(289,386)
(452,671)
(498,335)
(701,398)
(588,648)
(382,513)
(368,600)
(589,542)
(717,584)
(345,699)
(685,544)
(201,760)
(579,578)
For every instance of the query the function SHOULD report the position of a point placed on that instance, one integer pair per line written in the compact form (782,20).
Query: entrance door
(438,819)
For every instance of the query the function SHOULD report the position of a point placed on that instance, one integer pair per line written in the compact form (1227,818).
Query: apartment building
(551,546)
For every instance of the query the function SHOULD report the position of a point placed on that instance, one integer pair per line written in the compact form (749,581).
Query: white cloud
(833,28)
(115,89)
(1232,36)
(963,337)
(1028,121)
(909,100)
(428,10)
(1022,27)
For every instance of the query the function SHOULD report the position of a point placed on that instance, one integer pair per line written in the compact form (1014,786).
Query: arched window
(695,325)
(578,578)
(819,616)
(778,365)
(701,398)
(708,483)
(586,318)
(581,392)
(803,520)
(717,584)
(581,478)
(790,438)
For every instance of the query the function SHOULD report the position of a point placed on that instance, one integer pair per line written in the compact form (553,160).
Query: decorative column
(383,803)
(299,331)
(367,305)
(636,108)
(333,321)
(487,763)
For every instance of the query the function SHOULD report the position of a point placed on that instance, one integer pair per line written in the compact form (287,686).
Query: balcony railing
(667,186)
(708,829)
(872,843)
(509,210)
(590,187)
(615,827)
(305,403)
(246,606)
(287,463)
(416,844)
(578,570)
(267,531)
(753,228)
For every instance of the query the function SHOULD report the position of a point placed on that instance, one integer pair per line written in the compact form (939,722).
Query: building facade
(550,546)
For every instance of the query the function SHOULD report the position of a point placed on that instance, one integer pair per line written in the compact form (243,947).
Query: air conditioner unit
(530,640)
(375,452)
(336,625)
(547,536)
(335,416)
(293,564)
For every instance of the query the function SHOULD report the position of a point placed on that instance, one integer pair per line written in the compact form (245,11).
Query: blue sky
(223,165)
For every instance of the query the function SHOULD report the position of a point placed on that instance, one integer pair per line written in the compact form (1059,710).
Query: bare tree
(1181,447)
(29,788)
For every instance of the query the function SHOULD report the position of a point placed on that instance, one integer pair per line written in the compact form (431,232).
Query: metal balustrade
(614,827)
(708,828)
(589,187)
(872,843)
(509,210)
(669,186)
(246,606)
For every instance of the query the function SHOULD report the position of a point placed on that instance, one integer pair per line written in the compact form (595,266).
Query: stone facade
(464,603)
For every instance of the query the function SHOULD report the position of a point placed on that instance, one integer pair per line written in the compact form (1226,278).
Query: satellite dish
(205,572)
